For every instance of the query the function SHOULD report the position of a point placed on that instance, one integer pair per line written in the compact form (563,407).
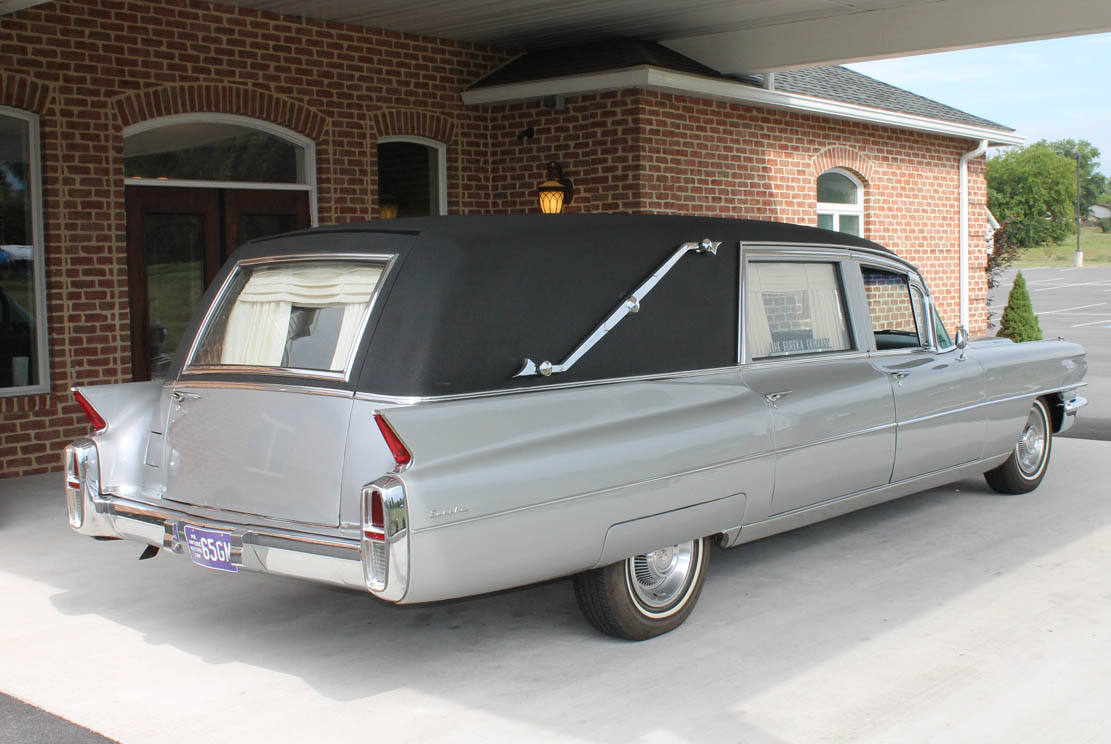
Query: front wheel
(646,595)
(1025,468)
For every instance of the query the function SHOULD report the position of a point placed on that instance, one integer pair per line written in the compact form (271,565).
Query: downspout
(980,150)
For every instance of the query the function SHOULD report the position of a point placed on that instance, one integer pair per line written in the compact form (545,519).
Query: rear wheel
(645,595)
(1025,468)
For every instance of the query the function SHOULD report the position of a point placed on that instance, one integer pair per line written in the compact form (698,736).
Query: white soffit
(653,78)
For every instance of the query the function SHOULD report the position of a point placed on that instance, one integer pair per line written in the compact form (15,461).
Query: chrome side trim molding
(982,404)
(627,307)
(598,492)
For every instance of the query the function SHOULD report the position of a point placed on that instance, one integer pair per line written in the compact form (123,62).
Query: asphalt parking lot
(1074,304)
(954,615)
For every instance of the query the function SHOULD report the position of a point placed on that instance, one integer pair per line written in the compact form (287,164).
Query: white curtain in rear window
(815,300)
(259,324)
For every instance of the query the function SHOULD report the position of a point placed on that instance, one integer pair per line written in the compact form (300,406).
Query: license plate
(210,548)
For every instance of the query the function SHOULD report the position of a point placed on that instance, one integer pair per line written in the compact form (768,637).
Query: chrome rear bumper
(1070,404)
(331,560)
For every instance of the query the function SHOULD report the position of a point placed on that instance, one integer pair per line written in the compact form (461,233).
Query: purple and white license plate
(210,548)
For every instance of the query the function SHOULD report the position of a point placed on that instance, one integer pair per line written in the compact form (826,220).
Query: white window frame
(836,210)
(441,162)
(34,190)
(306,169)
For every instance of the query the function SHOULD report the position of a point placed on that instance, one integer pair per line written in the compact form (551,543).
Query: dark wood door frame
(220,209)
(162,200)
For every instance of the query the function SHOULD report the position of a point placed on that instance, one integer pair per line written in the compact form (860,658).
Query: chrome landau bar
(630,305)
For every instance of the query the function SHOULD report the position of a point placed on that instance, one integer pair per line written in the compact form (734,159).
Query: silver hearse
(434,408)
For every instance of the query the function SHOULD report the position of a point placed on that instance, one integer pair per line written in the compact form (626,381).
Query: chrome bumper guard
(331,560)
(385,545)
(1070,404)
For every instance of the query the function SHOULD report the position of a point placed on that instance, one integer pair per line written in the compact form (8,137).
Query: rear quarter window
(794,308)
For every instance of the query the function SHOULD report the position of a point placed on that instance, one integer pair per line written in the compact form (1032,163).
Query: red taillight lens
(376,530)
(400,455)
(98,422)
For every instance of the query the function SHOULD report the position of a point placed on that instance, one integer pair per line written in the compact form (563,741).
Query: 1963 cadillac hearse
(434,408)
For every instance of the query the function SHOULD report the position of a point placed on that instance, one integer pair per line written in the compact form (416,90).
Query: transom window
(896,319)
(304,315)
(840,202)
(794,308)
(212,151)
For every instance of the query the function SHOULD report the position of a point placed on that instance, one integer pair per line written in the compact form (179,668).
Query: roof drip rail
(630,305)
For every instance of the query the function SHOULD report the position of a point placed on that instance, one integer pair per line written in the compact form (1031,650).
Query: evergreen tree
(1019,322)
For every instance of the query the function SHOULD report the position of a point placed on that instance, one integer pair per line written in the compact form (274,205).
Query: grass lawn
(1095,244)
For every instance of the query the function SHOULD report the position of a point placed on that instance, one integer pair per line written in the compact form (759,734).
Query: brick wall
(656,152)
(90,68)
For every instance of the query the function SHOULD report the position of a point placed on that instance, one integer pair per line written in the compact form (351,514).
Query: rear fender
(131,411)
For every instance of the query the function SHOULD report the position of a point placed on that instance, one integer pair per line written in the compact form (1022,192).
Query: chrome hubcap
(660,577)
(1030,450)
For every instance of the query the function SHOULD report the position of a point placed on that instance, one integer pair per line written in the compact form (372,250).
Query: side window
(944,340)
(290,316)
(794,308)
(894,316)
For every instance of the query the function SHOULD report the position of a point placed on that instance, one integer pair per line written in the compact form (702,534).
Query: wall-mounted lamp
(555,191)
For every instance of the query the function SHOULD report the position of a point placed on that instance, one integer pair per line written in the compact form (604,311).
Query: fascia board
(653,78)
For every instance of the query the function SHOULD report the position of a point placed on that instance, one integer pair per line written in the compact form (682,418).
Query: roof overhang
(653,78)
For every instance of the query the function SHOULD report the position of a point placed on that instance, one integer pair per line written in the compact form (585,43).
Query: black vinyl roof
(469,298)
(835,83)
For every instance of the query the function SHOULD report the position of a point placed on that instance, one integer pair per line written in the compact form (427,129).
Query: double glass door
(177,240)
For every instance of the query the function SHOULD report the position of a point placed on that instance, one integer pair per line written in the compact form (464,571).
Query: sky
(1052,89)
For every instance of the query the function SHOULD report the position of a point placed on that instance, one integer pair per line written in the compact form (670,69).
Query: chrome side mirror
(961,339)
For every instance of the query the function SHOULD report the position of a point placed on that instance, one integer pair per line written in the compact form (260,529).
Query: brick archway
(843,157)
(23,93)
(220,99)
(401,122)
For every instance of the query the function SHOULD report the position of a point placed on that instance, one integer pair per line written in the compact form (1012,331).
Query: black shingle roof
(833,83)
(842,84)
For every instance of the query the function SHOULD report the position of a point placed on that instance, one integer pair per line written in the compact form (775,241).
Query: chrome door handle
(180,396)
(774,398)
(898,376)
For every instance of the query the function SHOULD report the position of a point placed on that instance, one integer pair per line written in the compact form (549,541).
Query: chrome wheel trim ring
(1033,444)
(660,582)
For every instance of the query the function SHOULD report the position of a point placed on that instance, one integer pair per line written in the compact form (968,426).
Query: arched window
(412,177)
(841,202)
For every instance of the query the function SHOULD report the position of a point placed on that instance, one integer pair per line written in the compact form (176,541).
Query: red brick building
(141,141)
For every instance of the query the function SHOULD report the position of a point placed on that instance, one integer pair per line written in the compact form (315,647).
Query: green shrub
(1019,322)
(1105,225)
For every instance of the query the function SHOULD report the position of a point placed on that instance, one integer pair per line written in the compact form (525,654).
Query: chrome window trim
(388,259)
(276,387)
(773,253)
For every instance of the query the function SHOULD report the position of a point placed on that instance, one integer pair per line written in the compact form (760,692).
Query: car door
(937,390)
(832,411)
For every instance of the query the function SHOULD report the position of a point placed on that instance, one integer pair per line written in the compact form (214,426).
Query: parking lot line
(1094,322)
(1067,309)
(1066,286)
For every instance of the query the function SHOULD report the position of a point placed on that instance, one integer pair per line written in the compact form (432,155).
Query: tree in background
(1019,322)
(1093,184)
(1033,190)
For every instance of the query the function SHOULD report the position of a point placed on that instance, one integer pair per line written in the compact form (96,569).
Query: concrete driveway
(955,615)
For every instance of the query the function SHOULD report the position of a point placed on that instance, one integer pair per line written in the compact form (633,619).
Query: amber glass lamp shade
(551,197)
(387,210)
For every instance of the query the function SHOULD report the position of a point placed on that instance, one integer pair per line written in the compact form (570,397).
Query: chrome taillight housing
(385,538)
(82,479)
